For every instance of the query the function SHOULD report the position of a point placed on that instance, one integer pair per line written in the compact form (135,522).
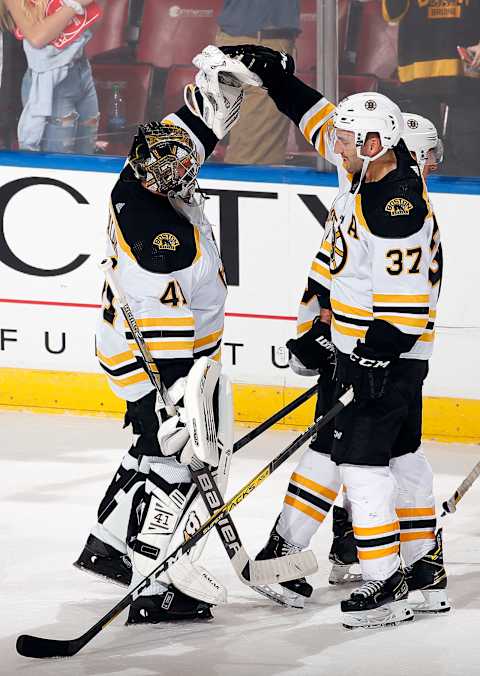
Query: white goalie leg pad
(167,495)
(186,574)
(112,525)
(201,382)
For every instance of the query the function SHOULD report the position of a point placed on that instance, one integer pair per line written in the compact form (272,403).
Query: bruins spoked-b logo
(166,241)
(398,206)
(339,252)
(413,124)
(370,104)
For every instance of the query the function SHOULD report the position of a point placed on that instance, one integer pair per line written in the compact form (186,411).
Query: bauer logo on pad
(165,240)
(398,206)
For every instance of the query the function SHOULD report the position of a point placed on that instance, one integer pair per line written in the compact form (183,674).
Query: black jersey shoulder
(159,238)
(396,206)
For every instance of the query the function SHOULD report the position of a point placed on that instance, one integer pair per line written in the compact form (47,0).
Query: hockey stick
(450,505)
(249,571)
(34,646)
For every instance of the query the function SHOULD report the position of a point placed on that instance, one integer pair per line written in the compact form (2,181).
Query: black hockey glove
(271,66)
(313,352)
(368,372)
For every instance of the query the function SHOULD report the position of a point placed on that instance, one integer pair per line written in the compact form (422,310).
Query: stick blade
(283,568)
(34,646)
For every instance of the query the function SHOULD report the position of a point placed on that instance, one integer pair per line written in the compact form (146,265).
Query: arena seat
(136,91)
(110,31)
(177,78)
(352,84)
(173,34)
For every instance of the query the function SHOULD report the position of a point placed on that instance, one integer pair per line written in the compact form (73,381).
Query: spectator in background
(432,76)
(261,135)
(60,107)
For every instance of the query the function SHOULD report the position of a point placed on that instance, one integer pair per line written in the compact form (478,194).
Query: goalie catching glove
(219,81)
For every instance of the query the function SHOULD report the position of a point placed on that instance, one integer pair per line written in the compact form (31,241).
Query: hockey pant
(400,500)
(150,507)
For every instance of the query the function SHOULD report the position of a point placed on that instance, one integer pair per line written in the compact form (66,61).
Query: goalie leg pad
(165,514)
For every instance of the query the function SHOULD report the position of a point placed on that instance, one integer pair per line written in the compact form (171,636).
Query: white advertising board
(52,225)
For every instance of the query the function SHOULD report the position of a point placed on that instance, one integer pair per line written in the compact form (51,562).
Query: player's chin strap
(220,83)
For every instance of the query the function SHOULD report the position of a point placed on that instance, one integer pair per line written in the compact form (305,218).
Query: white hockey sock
(311,492)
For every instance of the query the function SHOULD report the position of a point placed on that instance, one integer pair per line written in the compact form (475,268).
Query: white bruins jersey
(380,257)
(169,267)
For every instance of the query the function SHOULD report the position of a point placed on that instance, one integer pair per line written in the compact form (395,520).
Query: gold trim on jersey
(120,239)
(349,309)
(131,380)
(347,331)
(167,346)
(211,338)
(317,267)
(418,535)
(358,211)
(401,298)
(164,321)
(304,327)
(315,118)
(198,255)
(116,359)
(433,68)
(427,337)
(406,321)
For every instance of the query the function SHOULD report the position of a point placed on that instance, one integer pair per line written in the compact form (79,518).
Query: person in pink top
(60,105)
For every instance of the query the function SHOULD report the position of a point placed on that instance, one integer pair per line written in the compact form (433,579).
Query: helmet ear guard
(370,112)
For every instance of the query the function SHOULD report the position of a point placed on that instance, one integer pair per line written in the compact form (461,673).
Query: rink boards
(52,228)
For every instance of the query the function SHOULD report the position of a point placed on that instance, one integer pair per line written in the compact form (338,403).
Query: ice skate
(170,605)
(292,593)
(428,576)
(378,603)
(105,561)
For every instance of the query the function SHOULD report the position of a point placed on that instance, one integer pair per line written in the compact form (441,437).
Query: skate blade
(285,597)
(99,576)
(388,615)
(435,602)
(341,575)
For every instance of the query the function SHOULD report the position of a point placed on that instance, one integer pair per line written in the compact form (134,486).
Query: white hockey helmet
(421,138)
(370,112)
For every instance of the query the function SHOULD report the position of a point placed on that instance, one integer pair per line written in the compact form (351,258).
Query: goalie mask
(164,157)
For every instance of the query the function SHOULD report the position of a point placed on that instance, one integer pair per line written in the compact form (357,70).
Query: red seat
(135,93)
(306,43)
(173,34)
(376,42)
(110,31)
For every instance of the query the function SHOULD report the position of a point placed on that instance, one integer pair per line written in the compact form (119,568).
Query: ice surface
(54,469)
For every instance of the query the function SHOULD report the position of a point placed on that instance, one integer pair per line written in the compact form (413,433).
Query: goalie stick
(450,505)
(249,571)
(35,646)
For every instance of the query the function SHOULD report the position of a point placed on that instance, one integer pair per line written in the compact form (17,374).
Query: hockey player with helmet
(379,275)
(167,262)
